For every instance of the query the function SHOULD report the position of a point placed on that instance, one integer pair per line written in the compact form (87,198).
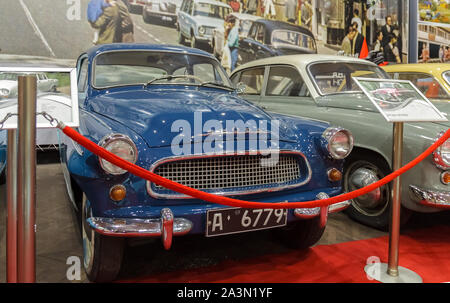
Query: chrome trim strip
(430,197)
(130,227)
(234,193)
(340,206)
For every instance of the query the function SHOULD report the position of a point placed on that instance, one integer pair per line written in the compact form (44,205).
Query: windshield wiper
(170,77)
(217,84)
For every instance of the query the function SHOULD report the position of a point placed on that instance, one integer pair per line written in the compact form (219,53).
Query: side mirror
(240,88)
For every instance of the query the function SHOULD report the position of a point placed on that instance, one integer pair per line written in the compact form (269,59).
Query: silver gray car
(321,87)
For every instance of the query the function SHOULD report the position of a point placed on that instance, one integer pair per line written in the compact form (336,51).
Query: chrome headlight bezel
(201,30)
(109,139)
(438,158)
(330,135)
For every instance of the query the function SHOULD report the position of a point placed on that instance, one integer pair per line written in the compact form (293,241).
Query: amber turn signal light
(334,175)
(117,193)
(445,177)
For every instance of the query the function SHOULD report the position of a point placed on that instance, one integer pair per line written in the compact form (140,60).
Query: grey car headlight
(121,146)
(4,92)
(339,142)
(441,156)
(201,30)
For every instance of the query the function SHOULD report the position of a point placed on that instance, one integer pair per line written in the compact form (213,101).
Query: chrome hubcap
(359,175)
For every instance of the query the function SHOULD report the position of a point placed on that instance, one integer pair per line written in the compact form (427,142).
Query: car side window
(252,32)
(426,83)
(286,81)
(82,77)
(183,6)
(253,79)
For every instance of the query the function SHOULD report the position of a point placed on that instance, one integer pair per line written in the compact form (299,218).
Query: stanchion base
(378,271)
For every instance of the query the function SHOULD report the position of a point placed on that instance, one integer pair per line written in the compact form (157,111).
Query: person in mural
(233,41)
(125,31)
(269,9)
(386,30)
(291,10)
(347,41)
(235,5)
(377,45)
(306,12)
(94,11)
(357,19)
(252,7)
(107,23)
(358,41)
(425,56)
(447,54)
(391,53)
(442,54)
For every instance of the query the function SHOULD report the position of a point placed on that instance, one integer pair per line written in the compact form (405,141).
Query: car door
(286,92)
(253,78)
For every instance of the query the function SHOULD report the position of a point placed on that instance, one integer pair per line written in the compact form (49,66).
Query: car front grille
(232,174)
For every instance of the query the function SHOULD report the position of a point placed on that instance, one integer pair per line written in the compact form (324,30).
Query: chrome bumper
(433,198)
(166,227)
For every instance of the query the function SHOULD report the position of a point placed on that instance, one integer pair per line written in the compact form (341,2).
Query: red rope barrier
(145,174)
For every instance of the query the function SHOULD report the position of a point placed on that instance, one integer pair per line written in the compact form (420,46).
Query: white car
(8,83)
(165,10)
(198,18)
(244,21)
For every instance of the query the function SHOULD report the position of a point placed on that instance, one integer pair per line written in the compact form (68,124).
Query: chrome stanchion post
(11,198)
(394,233)
(26,180)
(391,272)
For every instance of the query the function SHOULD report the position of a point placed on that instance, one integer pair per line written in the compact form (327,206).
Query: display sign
(399,100)
(57,95)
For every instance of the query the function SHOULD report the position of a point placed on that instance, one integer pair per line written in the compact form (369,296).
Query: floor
(58,238)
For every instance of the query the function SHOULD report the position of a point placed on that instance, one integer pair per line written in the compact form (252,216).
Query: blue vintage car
(143,102)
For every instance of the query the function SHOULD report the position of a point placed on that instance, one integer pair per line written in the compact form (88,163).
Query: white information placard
(399,100)
(57,95)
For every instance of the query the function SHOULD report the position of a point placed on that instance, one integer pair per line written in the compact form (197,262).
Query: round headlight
(121,146)
(339,142)
(441,156)
(201,30)
(4,92)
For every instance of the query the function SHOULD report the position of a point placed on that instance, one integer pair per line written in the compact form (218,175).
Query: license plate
(238,220)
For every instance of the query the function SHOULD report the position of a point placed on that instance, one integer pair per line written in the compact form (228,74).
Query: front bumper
(162,15)
(432,198)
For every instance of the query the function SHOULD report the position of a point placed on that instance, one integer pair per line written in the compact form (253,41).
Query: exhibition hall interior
(224,141)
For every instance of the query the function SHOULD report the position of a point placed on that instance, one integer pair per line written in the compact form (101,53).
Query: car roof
(212,2)
(418,67)
(242,16)
(275,24)
(301,60)
(94,51)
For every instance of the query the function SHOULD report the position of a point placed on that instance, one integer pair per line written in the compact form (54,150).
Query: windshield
(211,10)
(286,38)
(140,67)
(336,77)
(244,27)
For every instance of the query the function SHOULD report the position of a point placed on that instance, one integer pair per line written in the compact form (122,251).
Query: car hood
(208,21)
(359,101)
(151,113)
(8,84)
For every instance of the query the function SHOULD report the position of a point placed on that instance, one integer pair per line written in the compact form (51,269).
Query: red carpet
(426,251)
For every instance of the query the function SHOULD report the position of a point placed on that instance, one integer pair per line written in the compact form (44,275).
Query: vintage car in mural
(321,87)
(269,38)
(244,22)
(198,18)
(432,79)
(8,83)
(161,10)
(135,99)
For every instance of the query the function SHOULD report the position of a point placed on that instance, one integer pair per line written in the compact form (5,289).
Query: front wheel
(301,234)
(102,255)
(372,209)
